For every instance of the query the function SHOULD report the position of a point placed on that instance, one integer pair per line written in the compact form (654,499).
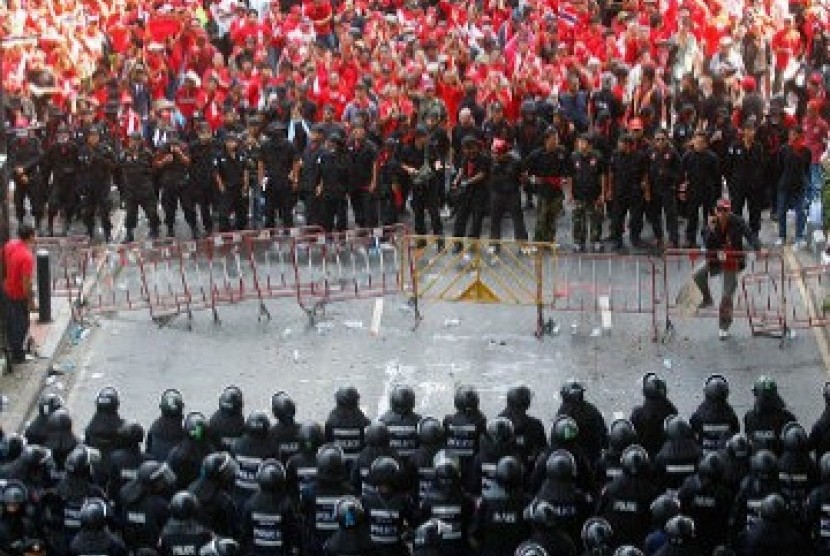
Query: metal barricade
(607,284)
(805,293)
(162,275)
(355,264)
(759,296)
(69,260)
(271,259)
(231,276)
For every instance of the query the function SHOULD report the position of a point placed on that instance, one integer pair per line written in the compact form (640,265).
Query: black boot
(129,238)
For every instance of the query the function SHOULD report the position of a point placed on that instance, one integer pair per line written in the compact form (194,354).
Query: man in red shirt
(18,263)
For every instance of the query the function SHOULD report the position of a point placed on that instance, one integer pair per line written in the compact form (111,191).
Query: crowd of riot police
(655,483)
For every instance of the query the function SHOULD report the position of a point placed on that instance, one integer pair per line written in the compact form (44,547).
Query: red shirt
(19,264)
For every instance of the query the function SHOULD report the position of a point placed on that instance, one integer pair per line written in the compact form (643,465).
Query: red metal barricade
(362,263)
(800,301)
(231,277)
(163,279)
(69,259)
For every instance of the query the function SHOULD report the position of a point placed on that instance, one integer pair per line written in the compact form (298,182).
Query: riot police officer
(571,505)
(621,435)
(497,442)
(431,440)
(228,422)
(301,469)
(761,482)
(388,508)
(625,503)
(714,421)
(320,504)
(707,499)
(663,508)
(136,166)
(797,472)
(142,508)
(94,536)
(352,535)
(172,163)
(37,429)
(167,430)
(183,533)
(284,434)
(447,501)
(774,533)
(820,433)
(230,178)
(61,162)
(249,451)
(736,457)
(592,429)
(648,419)
(19,525)
(402,422)
(96,161)
(598,537)
(817,510)
(270,525)
(125,459)
(345,424)
(102,431)
(186,457)
(764,421)
(376,436)
(529,431)
(678,457)
(25,160)
(60,440)
(213,490)
(277,172)
(499,523)
(464,429)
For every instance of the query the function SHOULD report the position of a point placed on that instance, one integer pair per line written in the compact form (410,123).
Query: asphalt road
(490,346)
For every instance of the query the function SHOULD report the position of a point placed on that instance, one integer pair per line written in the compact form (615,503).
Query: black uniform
(334,175)
(628,168)
(269,525)
(403,432)
(593,434)
(625,504)
(202,185)
(25,158)
(320,513)
(763,423)
(464,431)
(714,422)
(664,174)
(94,178)
(529,433)
(94,543)
(708,502)
(702,174)
(186,460)
(230,169)
(389,515)
(364,154)
(648,420)
(308,181)
(61,164)
(249,451)
(137,176)
(426,185)
(499,525)
(165,433)
(344,428)
(505,196)
(172,164)
(817,518)
(183,537)
(470,197)
(456,509)
(278,156)
(226,425)
(142,514)
(744,171)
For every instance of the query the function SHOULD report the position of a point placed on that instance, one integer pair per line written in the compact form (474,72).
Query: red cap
(499,146)
(724,204)
(635,124)
(748,83)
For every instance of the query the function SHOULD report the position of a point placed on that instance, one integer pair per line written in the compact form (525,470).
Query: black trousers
(507,202)
(335,214)
(696,204)
(231,202)
(279,200)
(427,200)
(148,203)
(471,206)
(203,201)
(17,326)
(172,195)
(664,203)
(753,199)
(633,205)
(64,198)
(35,191)
(97,202)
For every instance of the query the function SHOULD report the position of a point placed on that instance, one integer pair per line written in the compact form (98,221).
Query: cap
(724,204)
(635,124)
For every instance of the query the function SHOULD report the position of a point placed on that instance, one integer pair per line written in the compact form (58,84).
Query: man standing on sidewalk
(724,239)
(18,263)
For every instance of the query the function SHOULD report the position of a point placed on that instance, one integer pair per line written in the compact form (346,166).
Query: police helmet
(680,529)
(377,435)
(621,435)
(531,548)
(430,533)
(764,463)
(220,467)
(716,388)
(347,397)
(711,466)
(597,534)
(500,430)
(509,472)
(572,391)
(154,473)
(738,446)
(765,386)
(794,437)
(350,514)
(384,471)
(628,550)
(231,400)
(430,431)
(664,507)
(195,425)
(171,403)
(184,505)
(78,462)
(634,460)
(310,436)
(37,457)
(283,407)
(15,492)
(221,547)
(564,430)
(560,465)
(402,399)
(12,446)
(518,398)
(270,476)
(60,421)
(93,514)
(257,424)
(466,399)
(48,403)
(131,434)
(107,400)
(677,428)
(773,508)
(446,470)
(330,463)
(654,387)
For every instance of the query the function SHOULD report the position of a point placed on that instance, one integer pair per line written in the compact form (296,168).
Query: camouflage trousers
(586,214)
(548,210)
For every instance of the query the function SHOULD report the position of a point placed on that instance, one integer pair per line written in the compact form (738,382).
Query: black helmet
(78,462)
(330,463)
(680,529)
(430,533)
(15,492)
(231,399)
(716,388)
(509,472)
(271,476)
(60,420)
(155,473)
(195,425)
(131,434)
(171,403)
(564,430)
(664,507)
(677,428)
(500,431)
(572,391)
(347,397)
(560,465)
(220,467)
(430,432)
(597,534)
(518,398)
(446,470)
(621,435)
(12,446)
(377,435)
(402,400)
(310,437)
(221,547)
(765,386)
(184,505)
(711,466)
(773,508)
(528,108)
(654,387)
(94,514)
(107,400)
(49,402)
(541,514)
(37,457)
(350,513)
(283,407)
(738,446)
(384,471)
(466,399)
(531,548)
(794,437)
(628,550)
(764,463)
(634,460)
(257,424)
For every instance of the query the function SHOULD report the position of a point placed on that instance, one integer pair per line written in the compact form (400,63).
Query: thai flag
(566,16)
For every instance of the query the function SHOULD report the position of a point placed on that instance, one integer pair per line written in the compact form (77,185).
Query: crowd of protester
(654,484)
(362,112)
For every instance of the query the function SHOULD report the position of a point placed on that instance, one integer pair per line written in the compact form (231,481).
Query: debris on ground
(61,368)
(452,322)
(353,324)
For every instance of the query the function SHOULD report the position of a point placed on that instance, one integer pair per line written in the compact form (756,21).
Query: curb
(27,385)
